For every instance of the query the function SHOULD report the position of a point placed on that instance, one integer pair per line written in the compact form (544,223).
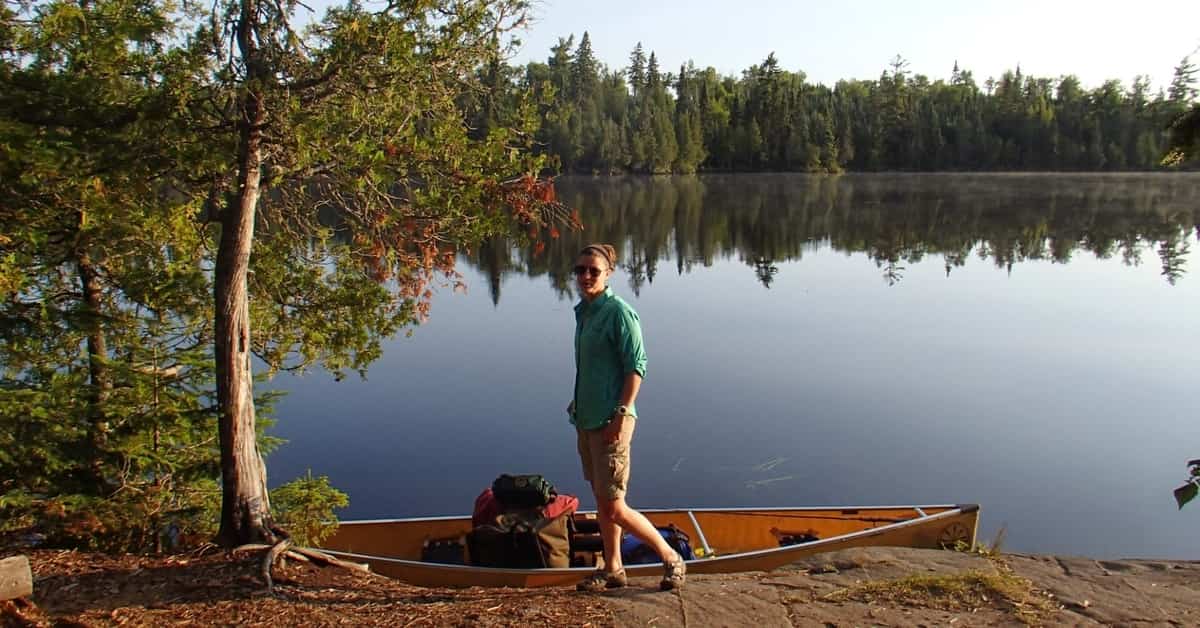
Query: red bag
(562,504)
(487,507)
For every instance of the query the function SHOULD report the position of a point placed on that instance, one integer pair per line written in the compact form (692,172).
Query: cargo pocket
(618,461)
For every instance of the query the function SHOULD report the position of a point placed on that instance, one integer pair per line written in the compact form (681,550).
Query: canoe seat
(586,543)
(447,551)
(794,537)
(587,525)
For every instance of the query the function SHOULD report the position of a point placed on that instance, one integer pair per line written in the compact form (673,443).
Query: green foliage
(106,424)
(1191,488)
(1184,141)
(373,178)
(1183,83)
(305,507)
(772,119)
(389,146)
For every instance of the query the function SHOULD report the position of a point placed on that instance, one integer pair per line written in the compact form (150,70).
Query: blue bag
(635,552)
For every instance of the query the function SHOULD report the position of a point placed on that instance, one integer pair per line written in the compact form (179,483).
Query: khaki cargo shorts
(606,465)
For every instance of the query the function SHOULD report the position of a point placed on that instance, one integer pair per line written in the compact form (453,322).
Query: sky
(829,41)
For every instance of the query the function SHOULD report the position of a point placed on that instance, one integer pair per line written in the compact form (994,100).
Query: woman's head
(593,266)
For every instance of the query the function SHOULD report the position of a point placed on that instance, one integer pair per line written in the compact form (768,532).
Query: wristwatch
(622,411)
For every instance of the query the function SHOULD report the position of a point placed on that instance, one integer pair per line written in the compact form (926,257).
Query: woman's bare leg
(621,516)
(610,535)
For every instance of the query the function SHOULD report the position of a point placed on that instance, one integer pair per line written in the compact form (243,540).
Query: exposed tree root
(284,548)
(322,558)
(270,558)
(204,549)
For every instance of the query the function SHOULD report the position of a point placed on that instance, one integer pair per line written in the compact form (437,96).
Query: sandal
(674,573)
(601,580)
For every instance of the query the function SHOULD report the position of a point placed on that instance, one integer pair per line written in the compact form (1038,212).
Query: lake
(1025,342)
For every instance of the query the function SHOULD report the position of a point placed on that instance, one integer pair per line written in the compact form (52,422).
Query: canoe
(726,540)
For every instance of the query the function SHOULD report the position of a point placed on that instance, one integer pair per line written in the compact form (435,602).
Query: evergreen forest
(645,119)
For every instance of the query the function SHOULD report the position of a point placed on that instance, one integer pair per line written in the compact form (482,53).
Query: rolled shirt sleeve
(633,352)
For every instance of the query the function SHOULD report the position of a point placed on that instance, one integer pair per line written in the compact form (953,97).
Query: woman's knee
(616,510)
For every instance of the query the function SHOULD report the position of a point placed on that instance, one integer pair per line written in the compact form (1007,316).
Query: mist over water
(1025,342)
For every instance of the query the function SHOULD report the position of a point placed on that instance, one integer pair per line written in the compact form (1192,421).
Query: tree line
(644,119)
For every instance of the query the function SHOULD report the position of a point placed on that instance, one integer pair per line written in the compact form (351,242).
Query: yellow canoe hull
(732,540)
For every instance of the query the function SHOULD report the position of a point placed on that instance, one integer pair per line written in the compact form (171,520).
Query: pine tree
(584,71)
(637,70)
(827,143)
(639,130)
(107,446)
(1183,84)
(561,63)
(666,147)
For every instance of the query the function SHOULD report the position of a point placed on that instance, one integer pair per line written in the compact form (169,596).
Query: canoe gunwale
(965,508)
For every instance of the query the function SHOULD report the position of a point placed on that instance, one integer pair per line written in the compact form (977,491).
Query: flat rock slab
(732,600)
(1073,592)
(1117,592)
(16,579)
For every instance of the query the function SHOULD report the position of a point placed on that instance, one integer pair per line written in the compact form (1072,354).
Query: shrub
(304,507)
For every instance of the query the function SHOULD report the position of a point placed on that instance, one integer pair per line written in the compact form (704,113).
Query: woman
(609,365)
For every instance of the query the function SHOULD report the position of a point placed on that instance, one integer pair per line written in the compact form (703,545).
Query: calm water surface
(1028,343)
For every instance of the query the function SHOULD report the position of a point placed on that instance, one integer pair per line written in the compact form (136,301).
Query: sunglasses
(591,271)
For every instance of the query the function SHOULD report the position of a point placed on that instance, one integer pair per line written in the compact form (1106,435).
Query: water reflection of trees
(896,220)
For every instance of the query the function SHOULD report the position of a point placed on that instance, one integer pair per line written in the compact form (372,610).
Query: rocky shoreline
(871,586)
(906,587)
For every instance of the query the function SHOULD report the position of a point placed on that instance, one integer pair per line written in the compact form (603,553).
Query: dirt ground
(866,587)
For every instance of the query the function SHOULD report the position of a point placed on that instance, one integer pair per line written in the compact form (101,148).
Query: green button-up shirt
(608,346)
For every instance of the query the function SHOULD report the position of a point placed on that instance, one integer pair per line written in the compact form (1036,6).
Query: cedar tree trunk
(245,506)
